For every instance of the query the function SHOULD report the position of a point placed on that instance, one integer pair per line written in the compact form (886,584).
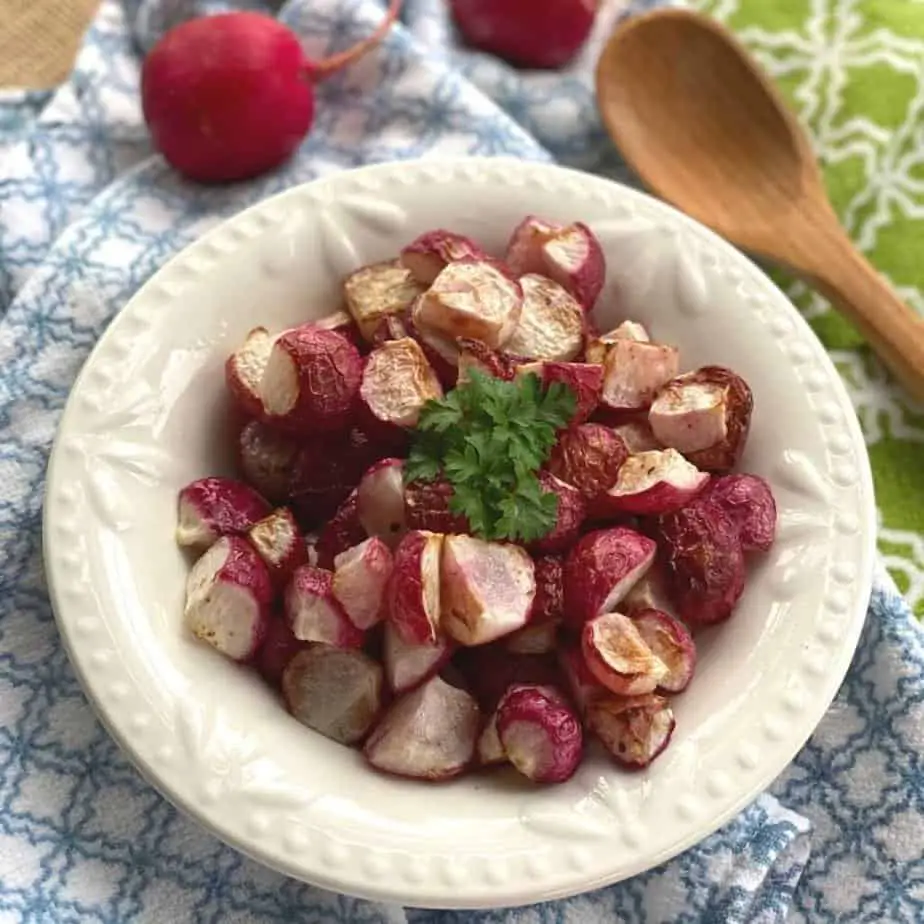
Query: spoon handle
(842,274)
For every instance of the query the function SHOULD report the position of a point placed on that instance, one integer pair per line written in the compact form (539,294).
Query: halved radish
(551,322)
(343,531)
(280,544)
(635,730)
(360,576)
(671,642)
(601,569)
(475,299)
(213,507)
(380,501)
(412,597)
(427,734)
(336,692)
(487,589)
(598,347)
(634,372)
(589,457)
(407,666)
(442,352)
(396,383)
(428,255)
(266,460)
(311,380)
(379,291)
(654,483)
(540,733)
(315,614)
(618,657)
(524,250)
(229,597)
(584,379)
(706,415)
(244,370)
(540,634)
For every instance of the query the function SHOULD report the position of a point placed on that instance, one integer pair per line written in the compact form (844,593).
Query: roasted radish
(474,299)
(315,614)
(487,589)
(489,750)
(748,501)
(229,595)
(490,670)
(598,347)
(601,569)
(442,352)
(213,507)
(376,292)
(360,576)
(650,593)
(244,370)
(584,379)
(580,682)
(427,734)
(473,354)
(428,255)
(540,634)
(342,323)
(412,597)
(635,730)
(589,457)
(535,638)
(634,373)
(551,322)
(338,693)
(671,643)
(380,501)
(266,460)
(280,543)
(426,505)
(343,531)
(277,650)
(571,513)
(638,436)
(618,656)
(654,483)
(706,415)
(407,666)
(525,248)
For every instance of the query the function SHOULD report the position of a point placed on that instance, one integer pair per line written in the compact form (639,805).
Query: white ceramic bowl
(146,417)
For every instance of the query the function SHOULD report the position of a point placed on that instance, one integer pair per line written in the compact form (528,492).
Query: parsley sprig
(489,438)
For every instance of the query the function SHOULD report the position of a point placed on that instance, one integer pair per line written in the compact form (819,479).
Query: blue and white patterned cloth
(86,215)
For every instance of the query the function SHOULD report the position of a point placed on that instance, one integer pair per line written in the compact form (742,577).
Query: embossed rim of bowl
(542,856)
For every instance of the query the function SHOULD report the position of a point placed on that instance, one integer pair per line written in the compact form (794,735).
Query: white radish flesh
(360,577)
(213,507)
(315,614)
(618,656)
(407,666)
(378,291)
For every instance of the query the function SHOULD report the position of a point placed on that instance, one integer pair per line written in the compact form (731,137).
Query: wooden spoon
(706,129)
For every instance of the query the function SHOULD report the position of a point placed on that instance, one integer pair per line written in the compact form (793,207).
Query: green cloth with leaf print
(854,71)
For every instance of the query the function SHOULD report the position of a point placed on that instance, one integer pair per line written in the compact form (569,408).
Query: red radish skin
(278,648)
(524,250)
(486,588)
(633,373)
(598,347)
(379,293)
(229,595)
(706,415)
(311,381)
(618,656)
(601,569)
(574,259)
(654,483)
(670,642)
(540,734)
(572,511)
(546,35)
(427,508)
(583,379)
(413,595)
(213,507)
(490,751)
(340,322)
(490,670)
(343,531)
(475,299)
(360,577)
(380,501)
(337,693)
(407,666)
(280,544)
(427,734)
(428,255)
(266,460)
(748,501)
(315,614)
(230,96)
(635,730)
(540,635)
(244,371)
(588,457)
(396,383)
(552,322)
(703,562)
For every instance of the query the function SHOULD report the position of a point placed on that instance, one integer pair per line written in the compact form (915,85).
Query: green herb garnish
(488,438)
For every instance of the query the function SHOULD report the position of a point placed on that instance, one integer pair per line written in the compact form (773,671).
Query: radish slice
(551,322)
(213,507)
(407,666)
(335,692)
(380,501)
(634,730)
(229,595)
(540,734)
(379,291)
(654,483)
(618,657)
(671,643)
(633,373)
(428,255)
(428,734)
(280,544)
(412,597)
(244,370)
(360,577)
(315,614)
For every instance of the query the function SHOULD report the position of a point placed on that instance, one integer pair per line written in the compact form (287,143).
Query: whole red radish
(523,32)
(230,96)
